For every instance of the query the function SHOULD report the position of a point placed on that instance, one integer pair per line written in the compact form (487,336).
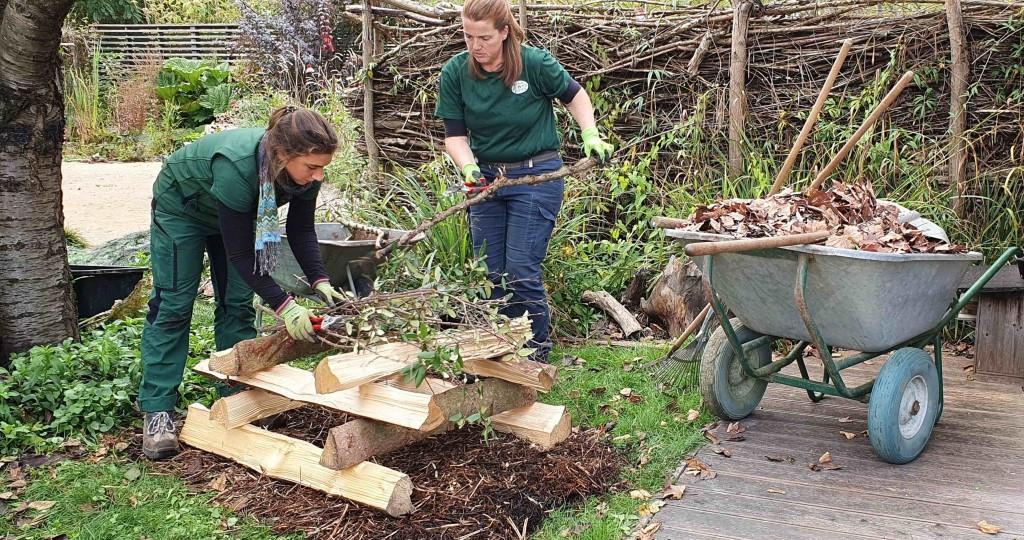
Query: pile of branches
(659,66)
(850,212)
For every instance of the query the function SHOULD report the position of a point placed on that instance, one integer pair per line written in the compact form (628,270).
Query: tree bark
(959,71)
(36,303)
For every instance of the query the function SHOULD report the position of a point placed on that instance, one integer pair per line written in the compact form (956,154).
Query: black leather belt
(525,164)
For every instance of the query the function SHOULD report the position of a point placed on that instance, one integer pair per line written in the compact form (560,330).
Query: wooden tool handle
(690,329)
(669,223)
(875,114)
(747,244)
(812,117)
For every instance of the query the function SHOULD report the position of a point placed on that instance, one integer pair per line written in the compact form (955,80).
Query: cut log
(252,355)
(379,401)
(248,406)
(626,321)
(359,440)
(677,296)
(542,424)
(514,368)
(350,370)
(280,456)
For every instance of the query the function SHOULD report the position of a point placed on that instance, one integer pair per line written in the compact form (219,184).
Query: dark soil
(463,487)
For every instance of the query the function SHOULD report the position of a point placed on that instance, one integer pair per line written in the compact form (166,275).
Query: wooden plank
(938,452)
(359,440)
(843,518)
(680,521)
(377,401)
(540,423)
(280,456)
(843,408)
(938,489)
(248,406)
(1000,336)
(813,496)
(350,370)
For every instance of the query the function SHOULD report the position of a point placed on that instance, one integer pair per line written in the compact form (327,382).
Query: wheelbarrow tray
(339,247)
(859,300)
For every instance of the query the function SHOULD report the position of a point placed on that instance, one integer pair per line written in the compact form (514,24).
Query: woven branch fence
(657,68)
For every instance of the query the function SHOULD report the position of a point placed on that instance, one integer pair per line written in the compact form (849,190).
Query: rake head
(681,368)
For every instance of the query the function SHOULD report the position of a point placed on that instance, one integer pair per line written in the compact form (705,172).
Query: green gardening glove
(472,178)
(296,321)
(327,293)
(594,144)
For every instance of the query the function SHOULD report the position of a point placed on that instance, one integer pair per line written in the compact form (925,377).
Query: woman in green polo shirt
(496,100)
(219,196)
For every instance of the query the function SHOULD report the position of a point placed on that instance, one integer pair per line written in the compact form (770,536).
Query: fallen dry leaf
(626,392)
(648,532)
(601,510)
(692,415)
(641,494)
(825,458)
(845,420)
(780,459)
(220,483)
(650,508)
(988,528)
(675,491)
(18,484)
(41,505)
(776,490)
(721,451)
(710,436)
(735,438)
(735,427)
(6,496)
(849,436)
(698,468)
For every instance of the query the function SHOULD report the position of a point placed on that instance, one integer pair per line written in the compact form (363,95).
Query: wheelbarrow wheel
(727,390)
(903,405)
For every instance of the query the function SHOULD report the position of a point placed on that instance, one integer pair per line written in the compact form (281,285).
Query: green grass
(653,431)
(119,500)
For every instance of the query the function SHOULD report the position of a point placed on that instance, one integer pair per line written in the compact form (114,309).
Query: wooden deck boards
(972,470)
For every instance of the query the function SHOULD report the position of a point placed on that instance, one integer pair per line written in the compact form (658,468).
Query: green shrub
(108,11)
(199,89)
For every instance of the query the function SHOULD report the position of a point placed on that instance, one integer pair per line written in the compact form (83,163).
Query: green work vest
(196,174)
(505,124)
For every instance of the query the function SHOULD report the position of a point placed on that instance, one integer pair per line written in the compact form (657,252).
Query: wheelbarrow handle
(698,249)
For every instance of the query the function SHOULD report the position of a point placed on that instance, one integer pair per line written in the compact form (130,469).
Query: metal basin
(344,252)
(859,300)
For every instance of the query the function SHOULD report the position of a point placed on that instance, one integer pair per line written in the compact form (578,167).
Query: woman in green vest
(219,196)
(496,100)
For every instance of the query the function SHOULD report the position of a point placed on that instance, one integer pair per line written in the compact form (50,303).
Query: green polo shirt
(219,167)
(505,124)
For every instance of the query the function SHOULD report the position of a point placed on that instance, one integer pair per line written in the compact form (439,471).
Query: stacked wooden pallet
(390,412)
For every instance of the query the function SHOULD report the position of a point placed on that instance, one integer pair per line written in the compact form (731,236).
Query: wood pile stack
(389,412)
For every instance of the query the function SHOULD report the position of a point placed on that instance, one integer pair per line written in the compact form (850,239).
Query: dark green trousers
(182,230)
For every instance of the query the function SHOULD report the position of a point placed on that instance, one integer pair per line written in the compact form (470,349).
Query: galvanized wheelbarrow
(876,303)
(347,253)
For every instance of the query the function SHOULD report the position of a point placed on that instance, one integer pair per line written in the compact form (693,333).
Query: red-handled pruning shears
(322,323)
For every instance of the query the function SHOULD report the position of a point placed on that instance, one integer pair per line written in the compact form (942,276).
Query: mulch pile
(850,211)
(463,487)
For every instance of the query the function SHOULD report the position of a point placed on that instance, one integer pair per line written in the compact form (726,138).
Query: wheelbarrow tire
(903,406)
(727,391)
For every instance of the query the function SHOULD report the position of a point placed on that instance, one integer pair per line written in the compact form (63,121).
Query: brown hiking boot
(159,436)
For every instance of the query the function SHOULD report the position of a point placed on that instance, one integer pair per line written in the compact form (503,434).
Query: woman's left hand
(327,293)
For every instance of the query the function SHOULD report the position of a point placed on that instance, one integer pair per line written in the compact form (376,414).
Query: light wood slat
(280,456)
(542,424)
(248,406)
(683,523)
(378,401)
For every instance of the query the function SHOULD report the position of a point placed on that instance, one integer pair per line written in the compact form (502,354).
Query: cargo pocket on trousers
(542,231)
(163,257)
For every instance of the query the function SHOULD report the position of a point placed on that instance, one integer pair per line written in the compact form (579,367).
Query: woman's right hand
(297,322)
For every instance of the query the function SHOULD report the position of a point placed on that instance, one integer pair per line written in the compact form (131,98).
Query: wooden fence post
(522,15)
(957,104)
(737,87)
(372,151)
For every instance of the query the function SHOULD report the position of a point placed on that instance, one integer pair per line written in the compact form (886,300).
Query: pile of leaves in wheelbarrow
(465,486)
(850,212)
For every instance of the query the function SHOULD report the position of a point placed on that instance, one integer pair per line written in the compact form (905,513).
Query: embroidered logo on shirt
(519,87)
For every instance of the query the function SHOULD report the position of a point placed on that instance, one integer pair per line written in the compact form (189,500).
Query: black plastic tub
(97,287)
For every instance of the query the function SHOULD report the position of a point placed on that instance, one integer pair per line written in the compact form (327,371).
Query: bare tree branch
(580,166)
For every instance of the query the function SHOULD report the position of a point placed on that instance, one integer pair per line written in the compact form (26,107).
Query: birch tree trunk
(36,303)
